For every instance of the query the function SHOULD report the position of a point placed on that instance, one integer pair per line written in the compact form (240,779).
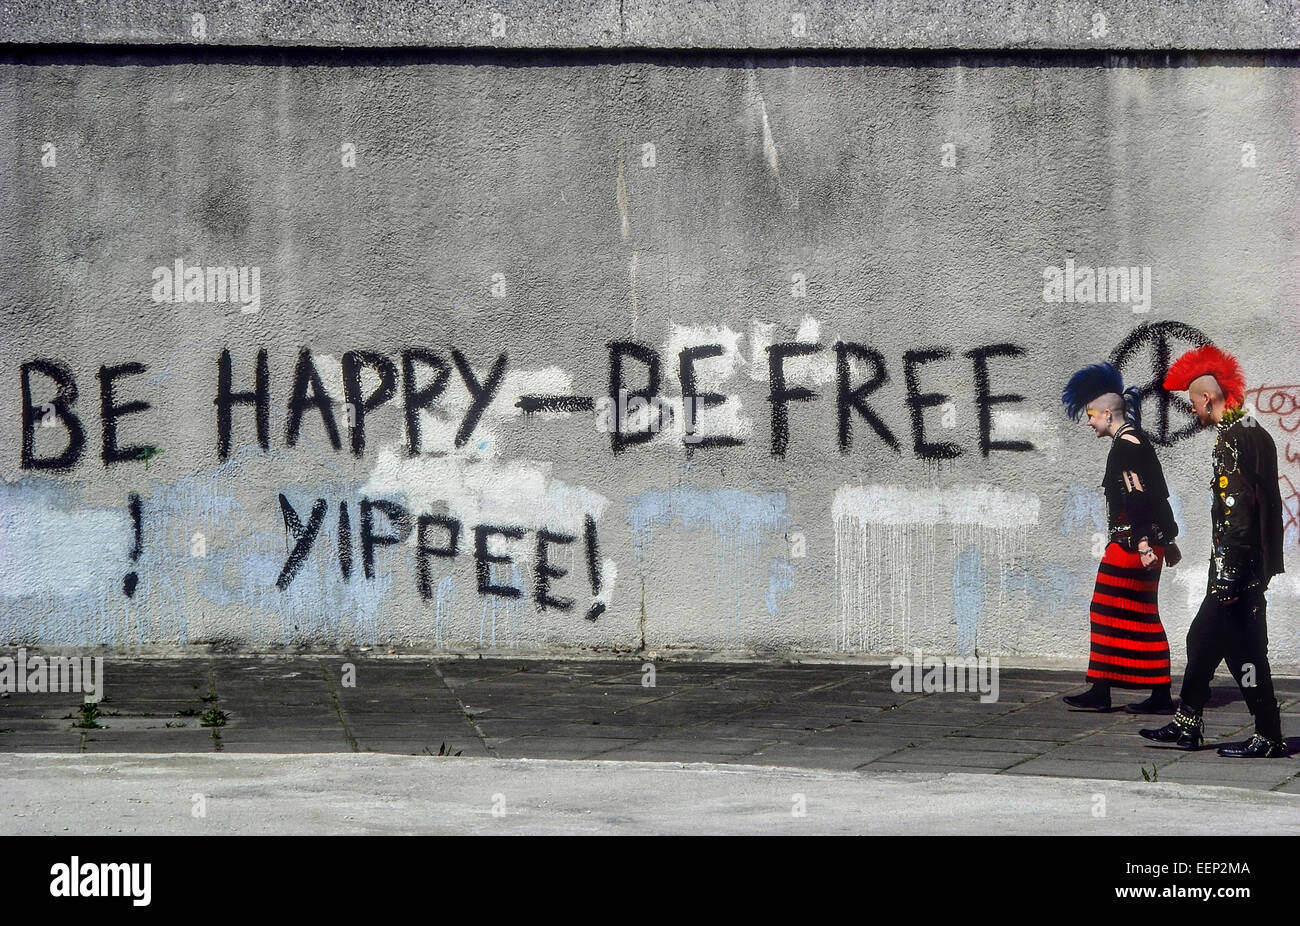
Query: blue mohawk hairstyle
(1133,405)
(1088,383)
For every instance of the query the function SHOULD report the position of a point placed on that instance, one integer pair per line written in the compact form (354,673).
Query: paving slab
(267,748)
(137,742)
(670,752)
(1266,773)
(1134,750)
(941,758)
(883,766)
(865,750)
(863,731)
(965,743)
(801,756)
(42,743)
(1021,731)
(612,730)
(571,748)
(1087,768)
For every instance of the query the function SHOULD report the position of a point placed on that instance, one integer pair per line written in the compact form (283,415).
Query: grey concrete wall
(672,24)
(524,210)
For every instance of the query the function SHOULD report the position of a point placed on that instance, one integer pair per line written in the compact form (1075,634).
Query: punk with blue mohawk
(1130,648)
(1087,384)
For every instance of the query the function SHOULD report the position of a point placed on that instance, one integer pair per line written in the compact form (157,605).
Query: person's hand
(1173,555)
(1149,557)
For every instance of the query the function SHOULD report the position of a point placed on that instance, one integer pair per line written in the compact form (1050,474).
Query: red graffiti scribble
(1283,402)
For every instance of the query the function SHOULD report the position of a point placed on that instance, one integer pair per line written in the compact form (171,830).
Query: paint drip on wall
(896,545)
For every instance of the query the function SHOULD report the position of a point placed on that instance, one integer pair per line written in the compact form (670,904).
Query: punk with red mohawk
(1245,553)
(1209,361)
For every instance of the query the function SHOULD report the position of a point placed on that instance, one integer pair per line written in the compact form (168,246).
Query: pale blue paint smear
(1063,591)
(1176,506)
(780,580)
(968,578)
(446,590)
(729,512)
(245,556)
(493,605)
(1085,507)
(742,522)
(62,564)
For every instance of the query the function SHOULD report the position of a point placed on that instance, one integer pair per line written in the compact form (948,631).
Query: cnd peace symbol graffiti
(1164,341)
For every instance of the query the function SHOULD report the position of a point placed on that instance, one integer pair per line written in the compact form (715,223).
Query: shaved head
(1108,402)
(1207,383)
(1208,398)
(1106,413)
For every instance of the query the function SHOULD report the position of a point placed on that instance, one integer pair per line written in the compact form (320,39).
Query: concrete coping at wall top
(1138,25)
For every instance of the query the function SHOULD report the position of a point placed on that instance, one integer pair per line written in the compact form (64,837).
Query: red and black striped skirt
(1129,647)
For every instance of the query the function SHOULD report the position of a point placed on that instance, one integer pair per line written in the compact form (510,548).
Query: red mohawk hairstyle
(1209,361)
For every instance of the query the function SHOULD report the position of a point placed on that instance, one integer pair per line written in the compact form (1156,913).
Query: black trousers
(1238,634)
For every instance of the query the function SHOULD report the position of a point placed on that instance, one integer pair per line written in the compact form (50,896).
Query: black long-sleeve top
(1137,498)
(1246,514)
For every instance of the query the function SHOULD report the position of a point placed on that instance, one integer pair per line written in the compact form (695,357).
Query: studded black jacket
(1246,512)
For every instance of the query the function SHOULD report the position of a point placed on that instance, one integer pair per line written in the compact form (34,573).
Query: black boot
(1096,698)
(1257,747)
(1186,730)
(1159,703)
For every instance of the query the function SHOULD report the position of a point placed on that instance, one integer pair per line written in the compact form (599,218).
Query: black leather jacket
(1246,514)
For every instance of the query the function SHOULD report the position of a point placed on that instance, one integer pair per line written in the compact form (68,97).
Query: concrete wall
(672,24)
(525,216)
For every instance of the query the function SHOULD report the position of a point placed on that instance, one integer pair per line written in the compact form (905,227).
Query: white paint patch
(762,335)
(814,369)
(811,370)
(330,370)
(1193,581)
(895,558)
(608,579)
(982,506)
(519,492)
(1039,428)
(711,375)
(721,367)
